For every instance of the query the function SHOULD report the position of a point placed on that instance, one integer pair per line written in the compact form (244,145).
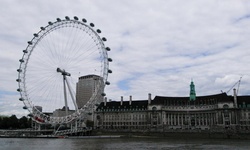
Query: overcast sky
(157,46)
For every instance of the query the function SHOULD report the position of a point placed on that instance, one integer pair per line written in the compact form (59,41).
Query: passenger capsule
(21,60)
(24,107)
(110,59)
(18,80)
(109,71)
(67,18)
(107,48)
(30,115)
(76,18)
(98,31)
(19,90)
(21,99)
(19,70)
(84,20)
(25,51)
(103,94)
(42,28)
(104,39)
(107,83)
(30,42)
(58,19)
(35,35)
(50,23)
(91,24)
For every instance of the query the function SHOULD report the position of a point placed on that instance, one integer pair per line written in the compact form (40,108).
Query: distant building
(62,112)
(86,87)
(213,112)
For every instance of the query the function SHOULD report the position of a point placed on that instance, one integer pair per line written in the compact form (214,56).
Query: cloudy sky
(157,46)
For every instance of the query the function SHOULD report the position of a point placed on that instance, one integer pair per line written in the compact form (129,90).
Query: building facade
(212,112)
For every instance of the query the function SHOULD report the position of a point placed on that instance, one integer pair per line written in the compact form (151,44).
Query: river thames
(121,144)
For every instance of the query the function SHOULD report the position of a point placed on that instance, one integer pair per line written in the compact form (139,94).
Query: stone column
(233,117)
(199,119)
(168,119)
(216,117)
(230,121)
(195,116)
(210,121)
(207,119)
(178,119)
(202,119)
(182,119)
(175,120)
(171,119)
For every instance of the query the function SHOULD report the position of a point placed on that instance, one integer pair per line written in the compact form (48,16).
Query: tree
(13,122)
(1,122)
(4,122)
(24,122)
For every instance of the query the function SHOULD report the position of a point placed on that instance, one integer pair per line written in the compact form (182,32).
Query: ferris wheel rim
(27,53)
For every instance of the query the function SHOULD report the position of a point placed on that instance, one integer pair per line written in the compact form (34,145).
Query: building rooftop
(209,99)
(165,100)
(135,104)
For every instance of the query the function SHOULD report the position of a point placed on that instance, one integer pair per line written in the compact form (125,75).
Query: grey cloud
(166,42)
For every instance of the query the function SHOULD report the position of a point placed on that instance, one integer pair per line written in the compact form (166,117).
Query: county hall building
(212,112)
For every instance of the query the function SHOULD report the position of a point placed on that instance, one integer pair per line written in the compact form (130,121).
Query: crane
(238,82)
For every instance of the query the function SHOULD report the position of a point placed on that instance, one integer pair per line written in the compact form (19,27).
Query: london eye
(51,65)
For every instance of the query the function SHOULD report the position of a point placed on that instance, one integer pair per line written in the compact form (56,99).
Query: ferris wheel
(52,64)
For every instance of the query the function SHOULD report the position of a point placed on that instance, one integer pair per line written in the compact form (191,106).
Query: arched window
(225,106)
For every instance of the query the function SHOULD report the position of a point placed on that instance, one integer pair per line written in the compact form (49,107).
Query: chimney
(105,101)
(235,99)
(130,100)
(121,100)
(149,98)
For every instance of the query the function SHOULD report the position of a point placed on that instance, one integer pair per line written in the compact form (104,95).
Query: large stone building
(218,111)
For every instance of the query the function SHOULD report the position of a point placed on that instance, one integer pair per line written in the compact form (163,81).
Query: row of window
(122,109)
(190,107)
(125,117)
(245,115)
(190,115)
(244,105)
(178,103)
(144,116)
(124,123)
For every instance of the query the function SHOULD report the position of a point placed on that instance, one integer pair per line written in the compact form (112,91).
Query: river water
(122,144)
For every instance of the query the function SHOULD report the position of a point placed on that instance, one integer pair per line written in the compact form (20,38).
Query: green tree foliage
(13,122)
(24,122)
